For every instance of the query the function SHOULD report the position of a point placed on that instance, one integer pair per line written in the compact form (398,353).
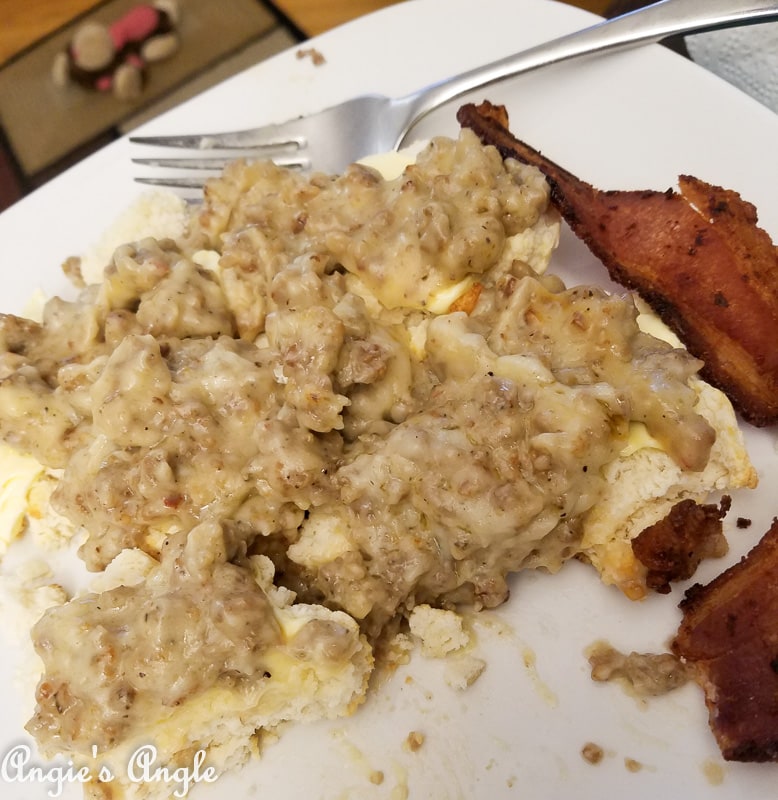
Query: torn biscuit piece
(440,631)
(248,661)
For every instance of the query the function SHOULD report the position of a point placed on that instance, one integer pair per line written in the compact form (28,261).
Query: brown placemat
(44,123)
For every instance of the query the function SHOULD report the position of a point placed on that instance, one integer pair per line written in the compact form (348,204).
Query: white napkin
(746,57)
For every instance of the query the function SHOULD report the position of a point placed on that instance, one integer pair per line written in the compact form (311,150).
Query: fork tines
(284,151)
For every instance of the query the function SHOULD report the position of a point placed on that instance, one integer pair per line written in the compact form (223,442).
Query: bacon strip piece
(729,636)
(698,258)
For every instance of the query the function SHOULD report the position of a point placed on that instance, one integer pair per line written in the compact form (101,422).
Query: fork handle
(644,26)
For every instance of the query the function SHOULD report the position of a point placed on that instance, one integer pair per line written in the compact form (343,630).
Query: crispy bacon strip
(729,636)
(698,258)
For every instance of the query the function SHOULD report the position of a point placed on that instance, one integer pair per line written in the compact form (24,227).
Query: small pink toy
(113,58)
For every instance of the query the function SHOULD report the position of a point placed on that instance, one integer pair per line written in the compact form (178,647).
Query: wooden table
(22,27)
(316,16)
(312,17)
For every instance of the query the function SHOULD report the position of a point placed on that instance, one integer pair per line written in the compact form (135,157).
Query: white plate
(630,120)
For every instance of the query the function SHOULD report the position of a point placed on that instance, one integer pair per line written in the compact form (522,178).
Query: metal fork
(333,138)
